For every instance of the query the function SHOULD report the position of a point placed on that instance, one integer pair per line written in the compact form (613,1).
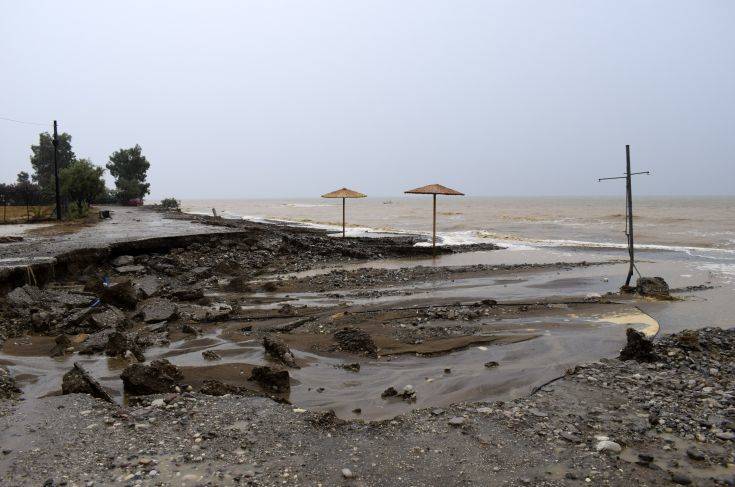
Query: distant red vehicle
(134,202)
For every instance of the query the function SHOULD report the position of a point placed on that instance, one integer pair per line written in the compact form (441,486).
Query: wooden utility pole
(433,230)
(628,211)
(56,172)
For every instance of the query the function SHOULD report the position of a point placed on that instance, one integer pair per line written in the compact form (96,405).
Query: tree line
(81,181)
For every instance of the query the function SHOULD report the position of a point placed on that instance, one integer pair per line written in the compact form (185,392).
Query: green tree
(129,167)
(82,183)
(42,160)
(23,177)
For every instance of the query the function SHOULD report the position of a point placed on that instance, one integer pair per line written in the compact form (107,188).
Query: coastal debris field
(267,354)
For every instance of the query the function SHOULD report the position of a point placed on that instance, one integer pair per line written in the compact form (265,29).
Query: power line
(26,123)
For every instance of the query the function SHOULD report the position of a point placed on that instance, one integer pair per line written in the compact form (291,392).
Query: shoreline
(453,336)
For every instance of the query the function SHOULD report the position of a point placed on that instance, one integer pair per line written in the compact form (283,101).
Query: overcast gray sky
(296,98)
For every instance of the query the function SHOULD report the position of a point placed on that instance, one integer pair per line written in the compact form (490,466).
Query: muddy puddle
(528,351)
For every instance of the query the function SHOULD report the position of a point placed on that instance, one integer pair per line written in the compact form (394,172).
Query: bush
(75,212)
(170,204)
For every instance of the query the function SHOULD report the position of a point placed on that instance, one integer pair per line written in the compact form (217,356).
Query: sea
(692,224)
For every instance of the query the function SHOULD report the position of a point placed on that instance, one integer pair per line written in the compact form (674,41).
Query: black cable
(21,121)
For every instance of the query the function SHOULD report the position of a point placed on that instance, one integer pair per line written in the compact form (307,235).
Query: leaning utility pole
(56,172)
(628,210)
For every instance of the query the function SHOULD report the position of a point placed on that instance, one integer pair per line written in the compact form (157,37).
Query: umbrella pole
(433,236)
(343,217)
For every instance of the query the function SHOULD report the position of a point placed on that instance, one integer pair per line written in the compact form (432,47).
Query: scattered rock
(158,309)
(120,343)
(688,340)
(211,355)
(491,364)
(214,387)
(122,260)
(638,347)
(24,296)
(456,421)
(275,380)
(356,341)
(123,294)
(62,344)
(77,380)
(652,286)
(130,269)
(278,350)
(159,377)
(680,479)
(695,454)
(111,317)
(353,367)
(389,392)
(608,446)
(148,286)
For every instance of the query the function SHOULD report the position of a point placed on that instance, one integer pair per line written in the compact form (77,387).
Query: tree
(42,160)
(26,192)
(129,167)
(82,183)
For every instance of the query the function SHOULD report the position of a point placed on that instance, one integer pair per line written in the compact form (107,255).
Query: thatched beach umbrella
(435,189)
(343,193)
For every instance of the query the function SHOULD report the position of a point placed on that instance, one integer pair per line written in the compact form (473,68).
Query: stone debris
(211,355)
(123,294)
(159,377)
(638,347)
(278,350)
(271,379)
(122,344)
(122,260)
(356,341)
(652,286)
(78,380)
(157,309)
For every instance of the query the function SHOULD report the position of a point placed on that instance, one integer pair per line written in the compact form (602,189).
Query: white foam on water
(308,205)
(468,237)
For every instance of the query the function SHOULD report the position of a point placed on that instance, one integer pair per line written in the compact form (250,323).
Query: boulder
(123,294)
(637,348)
(652,286)
(278,350)
(158,309)
(62,343)
(122,260)
(356,341)
(77,380)
(25,296)
(160,376)
(271,379)
(119,343)
(130,269)
(211,355)
(148,286)
(110,317)
(95,343)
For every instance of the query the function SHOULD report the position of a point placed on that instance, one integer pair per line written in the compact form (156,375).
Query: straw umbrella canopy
(343,193)
(434,189)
